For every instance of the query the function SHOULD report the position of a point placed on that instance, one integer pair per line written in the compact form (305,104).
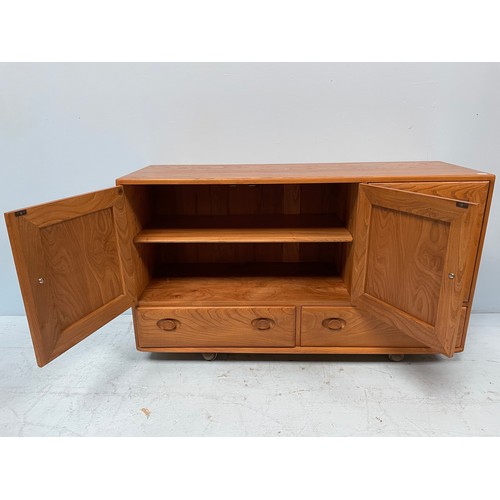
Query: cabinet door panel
(410,258)
(476,192)
(74,265)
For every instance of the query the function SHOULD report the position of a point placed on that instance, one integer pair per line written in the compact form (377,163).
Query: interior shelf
(230,290)
(243,235)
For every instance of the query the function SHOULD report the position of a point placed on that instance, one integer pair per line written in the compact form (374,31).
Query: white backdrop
(67,129)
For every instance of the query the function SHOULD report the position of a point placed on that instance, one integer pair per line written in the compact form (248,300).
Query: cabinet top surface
(295,173)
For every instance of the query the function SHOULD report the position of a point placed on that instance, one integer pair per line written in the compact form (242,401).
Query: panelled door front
(410,254)
(73,260)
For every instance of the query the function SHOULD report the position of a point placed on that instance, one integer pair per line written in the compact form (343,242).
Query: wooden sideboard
(284,258)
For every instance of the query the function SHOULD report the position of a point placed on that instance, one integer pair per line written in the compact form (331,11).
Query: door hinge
(20,212)
(462,204)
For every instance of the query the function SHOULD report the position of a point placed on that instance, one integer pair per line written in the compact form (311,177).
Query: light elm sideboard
(283,258)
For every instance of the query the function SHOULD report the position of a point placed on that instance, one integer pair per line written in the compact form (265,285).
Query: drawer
(215,326)
(351,327)
(348,327)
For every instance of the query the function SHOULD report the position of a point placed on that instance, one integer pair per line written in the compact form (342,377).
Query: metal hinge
(20,212)
(462,204)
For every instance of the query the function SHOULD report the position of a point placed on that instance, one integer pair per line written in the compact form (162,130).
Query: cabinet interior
(256,234)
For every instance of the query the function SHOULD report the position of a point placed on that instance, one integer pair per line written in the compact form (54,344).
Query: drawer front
(350,327)
(215,326)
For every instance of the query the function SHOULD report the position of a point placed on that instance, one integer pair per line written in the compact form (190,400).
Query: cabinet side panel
(138,211)
(482,234)
(348,248)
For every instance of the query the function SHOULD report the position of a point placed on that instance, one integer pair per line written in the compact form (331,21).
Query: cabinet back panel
(327,256)
(217,200)
(263,199)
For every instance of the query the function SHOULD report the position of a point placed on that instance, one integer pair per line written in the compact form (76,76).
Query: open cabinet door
(73,260)
(409,260)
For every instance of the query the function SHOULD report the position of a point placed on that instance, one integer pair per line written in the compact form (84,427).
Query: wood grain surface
(296,350)
(83,264)
(216,326)
(301,173)
(244,207)
(75,268)
(406,246)
(260,258)
(245,259)
(354,328)
(475,192)
(406,261)
(138,211)
(241,290)
(242,235)
(292,207)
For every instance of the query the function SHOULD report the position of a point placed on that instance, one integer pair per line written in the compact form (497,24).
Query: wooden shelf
(255,228)
(247,290)
(244,235)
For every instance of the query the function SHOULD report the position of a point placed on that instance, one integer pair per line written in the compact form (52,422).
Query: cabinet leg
(396,357)
(209,356)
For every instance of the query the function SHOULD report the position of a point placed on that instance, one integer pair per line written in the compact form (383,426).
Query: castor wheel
(396,357)
(209,356)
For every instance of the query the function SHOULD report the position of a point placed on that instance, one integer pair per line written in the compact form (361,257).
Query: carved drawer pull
(263,323)
(334,323)
(168,324)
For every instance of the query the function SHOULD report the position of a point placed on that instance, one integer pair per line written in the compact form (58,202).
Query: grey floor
(104,387)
